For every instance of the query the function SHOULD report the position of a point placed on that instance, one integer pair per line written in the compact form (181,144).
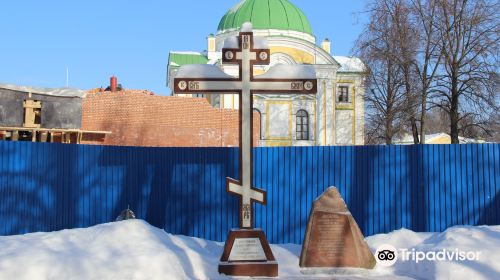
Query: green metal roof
(183,58)
(266,14)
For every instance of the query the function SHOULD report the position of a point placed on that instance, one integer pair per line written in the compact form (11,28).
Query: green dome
(266,14)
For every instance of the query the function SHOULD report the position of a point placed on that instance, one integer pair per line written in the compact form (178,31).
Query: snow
(205,71)
(187,52)
(246,27)
(61,92)
(483,239)
(282,71)
(213,61)
(133,249)
(439,138)
(232,43)
(350,64)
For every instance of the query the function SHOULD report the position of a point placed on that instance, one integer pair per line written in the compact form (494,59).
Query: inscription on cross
(246,51)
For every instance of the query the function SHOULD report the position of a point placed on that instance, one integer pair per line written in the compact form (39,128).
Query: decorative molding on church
(270,34)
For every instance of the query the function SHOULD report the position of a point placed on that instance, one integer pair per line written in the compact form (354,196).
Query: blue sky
(131,39)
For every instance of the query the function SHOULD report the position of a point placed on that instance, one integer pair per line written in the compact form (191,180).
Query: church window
(302,122)
(344,94)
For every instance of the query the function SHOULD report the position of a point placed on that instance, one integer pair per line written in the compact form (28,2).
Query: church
(334,116)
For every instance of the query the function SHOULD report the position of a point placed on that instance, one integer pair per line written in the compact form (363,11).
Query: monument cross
(246,52)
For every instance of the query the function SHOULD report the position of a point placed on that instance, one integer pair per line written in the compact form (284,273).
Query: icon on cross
(246,51)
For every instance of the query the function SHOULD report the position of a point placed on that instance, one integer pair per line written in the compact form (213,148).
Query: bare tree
(495,129)
(437,121)
(385,98)
(468,32)
(385,102)
(429,54)
(405,54)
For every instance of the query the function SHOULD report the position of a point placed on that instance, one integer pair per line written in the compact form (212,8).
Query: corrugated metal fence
(47,187)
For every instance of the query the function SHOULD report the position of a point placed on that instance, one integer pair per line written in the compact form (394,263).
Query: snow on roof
(213,61)
(282,71)
(201,71)
(186,52)
(181,58)
(350,64)
(61,92)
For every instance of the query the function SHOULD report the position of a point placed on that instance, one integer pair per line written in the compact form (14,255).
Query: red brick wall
(137,118)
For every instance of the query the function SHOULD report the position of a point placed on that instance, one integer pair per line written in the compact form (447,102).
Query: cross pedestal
(246,252)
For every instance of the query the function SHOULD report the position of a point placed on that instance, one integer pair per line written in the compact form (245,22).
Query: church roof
(178,59)
(266,14)
(59,92)
(350,64)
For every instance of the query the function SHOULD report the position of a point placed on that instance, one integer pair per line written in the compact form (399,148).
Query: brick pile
(139,118)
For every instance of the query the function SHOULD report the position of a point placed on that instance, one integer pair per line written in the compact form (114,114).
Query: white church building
(334,116)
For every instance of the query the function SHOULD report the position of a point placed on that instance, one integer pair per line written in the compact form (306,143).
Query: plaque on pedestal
(333,238)
(247,253)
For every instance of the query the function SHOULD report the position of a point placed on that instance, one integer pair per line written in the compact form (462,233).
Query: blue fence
(47,187)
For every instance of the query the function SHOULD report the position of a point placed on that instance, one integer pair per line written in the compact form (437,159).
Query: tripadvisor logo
(387,255)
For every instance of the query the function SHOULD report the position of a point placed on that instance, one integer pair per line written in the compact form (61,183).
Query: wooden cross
(285,79)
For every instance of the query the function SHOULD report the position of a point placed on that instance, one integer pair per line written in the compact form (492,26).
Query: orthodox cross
(285,79)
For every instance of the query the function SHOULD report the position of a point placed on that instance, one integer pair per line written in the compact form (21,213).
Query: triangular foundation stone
(333,238)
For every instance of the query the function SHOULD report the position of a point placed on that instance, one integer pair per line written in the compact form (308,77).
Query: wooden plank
(43,136)
(32,109)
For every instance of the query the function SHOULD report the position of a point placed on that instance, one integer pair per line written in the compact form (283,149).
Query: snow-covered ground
(134,249)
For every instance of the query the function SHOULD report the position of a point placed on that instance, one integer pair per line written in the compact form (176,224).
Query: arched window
(258,122)
(302,122)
